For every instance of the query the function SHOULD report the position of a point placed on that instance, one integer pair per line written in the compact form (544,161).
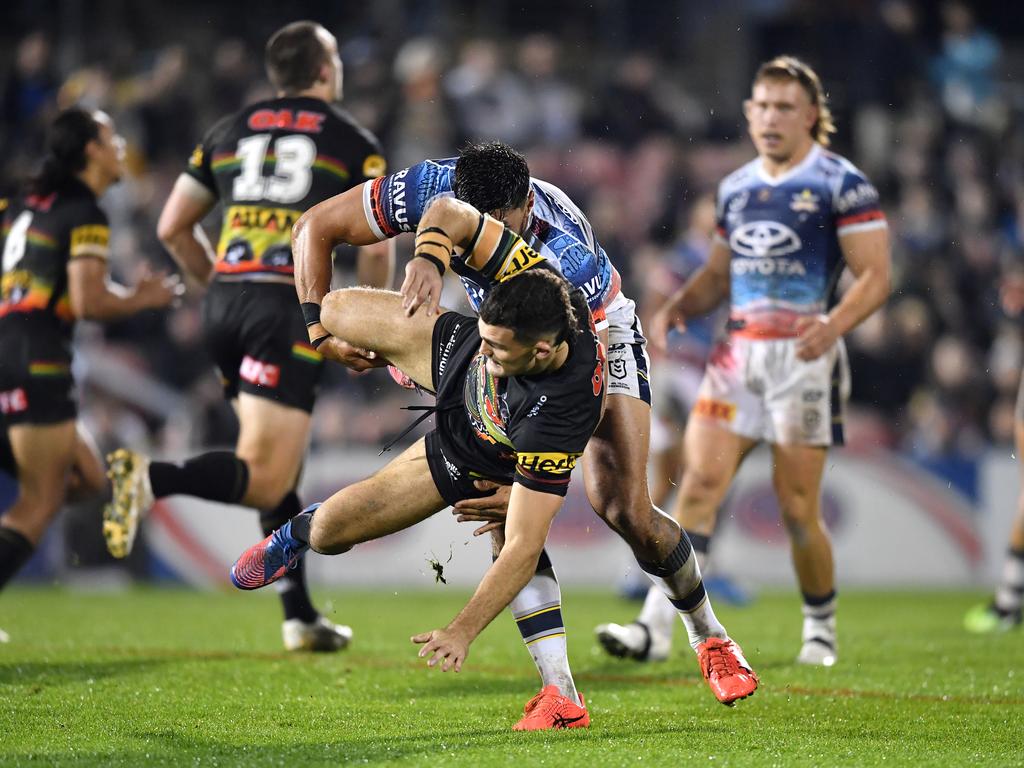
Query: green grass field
(176,678)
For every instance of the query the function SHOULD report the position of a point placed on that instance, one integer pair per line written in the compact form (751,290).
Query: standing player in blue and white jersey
(495,179)
(788,223)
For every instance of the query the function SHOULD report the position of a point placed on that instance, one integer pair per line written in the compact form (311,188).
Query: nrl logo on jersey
(805,202)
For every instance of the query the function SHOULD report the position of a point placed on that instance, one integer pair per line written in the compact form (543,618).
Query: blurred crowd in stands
(633,108)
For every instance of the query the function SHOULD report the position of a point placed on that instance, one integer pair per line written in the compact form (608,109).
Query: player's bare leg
(712,455)
(374,319)
(797,476)
(1003,612)
(44,455)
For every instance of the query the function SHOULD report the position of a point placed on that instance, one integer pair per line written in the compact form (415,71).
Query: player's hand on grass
(815,336)
(422,286)
(356,358)
(446,647)
(491,510)
(663,321)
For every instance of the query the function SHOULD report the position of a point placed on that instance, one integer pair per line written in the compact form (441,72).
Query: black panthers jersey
(530,429)
(41,234)
(268,164)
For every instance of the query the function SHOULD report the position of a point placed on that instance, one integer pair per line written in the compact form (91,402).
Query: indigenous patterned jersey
(41,234)
(558,229)
(270,162)
(530,429)
(784,236)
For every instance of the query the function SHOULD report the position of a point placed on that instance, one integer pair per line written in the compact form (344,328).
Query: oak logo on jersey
(286,120)
(552,463)
(521,258)
(90,240)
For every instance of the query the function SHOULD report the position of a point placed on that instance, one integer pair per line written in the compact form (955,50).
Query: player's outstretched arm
(706,289)
(867,255)
(526,528)
(180,232)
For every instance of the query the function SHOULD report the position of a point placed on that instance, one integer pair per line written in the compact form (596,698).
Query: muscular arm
(339,219)
(180,232)
(867,255)
(526,528)
(708,287)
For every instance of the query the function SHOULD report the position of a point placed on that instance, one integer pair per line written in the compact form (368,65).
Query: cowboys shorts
(628,364)
(759,388)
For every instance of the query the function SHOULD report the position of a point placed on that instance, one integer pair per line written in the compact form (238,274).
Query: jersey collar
(774,181)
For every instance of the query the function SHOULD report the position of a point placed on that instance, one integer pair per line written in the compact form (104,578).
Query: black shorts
(455,344)
(256,335)
(35,377)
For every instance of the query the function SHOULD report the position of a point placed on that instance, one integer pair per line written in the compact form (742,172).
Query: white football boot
(633,641)
(319,635)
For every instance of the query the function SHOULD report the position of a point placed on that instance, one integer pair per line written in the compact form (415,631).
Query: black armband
(315,343)
(310,312)
(433,260)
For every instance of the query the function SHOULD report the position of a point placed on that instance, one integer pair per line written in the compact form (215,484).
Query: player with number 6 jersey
(265,164)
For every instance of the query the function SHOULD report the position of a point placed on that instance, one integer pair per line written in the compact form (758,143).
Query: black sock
(300,526)
(291,587)
(15,550)
(217,476)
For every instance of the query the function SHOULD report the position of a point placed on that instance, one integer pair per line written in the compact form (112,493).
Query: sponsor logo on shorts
(715,409)
(453,471)
(617,369)
(13,401)
(552,463)
(812,395)
(812,420)
(259,373)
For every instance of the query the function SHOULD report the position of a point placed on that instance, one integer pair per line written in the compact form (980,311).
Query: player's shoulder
(76,205)
(341,119)
(835,165)
(742,177)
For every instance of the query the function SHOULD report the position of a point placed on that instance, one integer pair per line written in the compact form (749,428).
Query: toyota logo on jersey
(764,238)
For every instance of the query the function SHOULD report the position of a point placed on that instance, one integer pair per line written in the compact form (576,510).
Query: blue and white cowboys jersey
(784,237)
(558,230)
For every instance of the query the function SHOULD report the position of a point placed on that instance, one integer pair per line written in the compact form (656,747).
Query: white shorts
(628,364)
(677,386)
(759,388)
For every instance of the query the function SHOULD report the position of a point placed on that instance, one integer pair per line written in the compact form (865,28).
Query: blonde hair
(792,68)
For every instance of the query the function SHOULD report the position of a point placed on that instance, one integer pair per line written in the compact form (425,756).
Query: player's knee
(701,484)
(338,312)
(799,515)
(268,485)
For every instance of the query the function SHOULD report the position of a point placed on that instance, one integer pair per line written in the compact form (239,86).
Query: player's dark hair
(534,304)
(792,68)
(66,140)
(294,55)
(492,177)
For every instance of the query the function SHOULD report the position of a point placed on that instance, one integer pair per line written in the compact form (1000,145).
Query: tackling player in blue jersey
(788,223)
(495,179)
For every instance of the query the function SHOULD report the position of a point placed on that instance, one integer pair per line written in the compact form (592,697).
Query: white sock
(658,614)
(537,610)
(679,578)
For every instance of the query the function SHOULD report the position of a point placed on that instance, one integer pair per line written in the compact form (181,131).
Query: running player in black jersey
(55,246)
(519,393)
(266,164)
